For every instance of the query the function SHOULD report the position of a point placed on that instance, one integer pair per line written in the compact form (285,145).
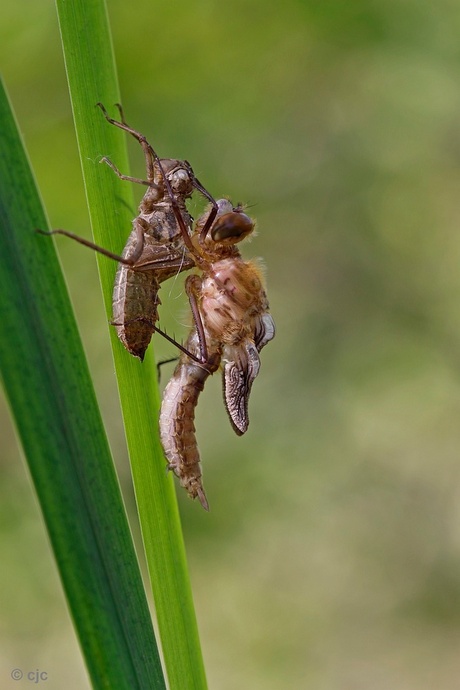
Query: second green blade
(51,395)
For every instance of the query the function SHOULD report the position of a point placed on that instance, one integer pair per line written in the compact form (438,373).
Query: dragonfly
(231,319)
(155,249)
(231,325)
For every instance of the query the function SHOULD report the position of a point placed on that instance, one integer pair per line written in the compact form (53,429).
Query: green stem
(92,78)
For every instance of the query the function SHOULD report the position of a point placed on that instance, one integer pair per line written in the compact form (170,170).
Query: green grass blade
(47,383)
(92,78)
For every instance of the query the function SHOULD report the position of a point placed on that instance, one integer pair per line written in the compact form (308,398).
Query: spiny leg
(164,335)
(196,183)
(149,153)
(130,261)
(150,157)
(88,243)
(128,178)
(122,114)
(179,346)
(213,212)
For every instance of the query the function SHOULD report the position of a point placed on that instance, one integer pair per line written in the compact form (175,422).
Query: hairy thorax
(232,295)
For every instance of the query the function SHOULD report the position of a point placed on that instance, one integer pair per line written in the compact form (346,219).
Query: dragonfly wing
(264,330)
(241,367)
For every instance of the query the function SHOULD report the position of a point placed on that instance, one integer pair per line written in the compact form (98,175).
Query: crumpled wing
(264,330)
(241,367)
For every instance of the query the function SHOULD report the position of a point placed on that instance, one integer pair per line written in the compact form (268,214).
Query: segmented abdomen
(135,302)
(135,292)
(177,428)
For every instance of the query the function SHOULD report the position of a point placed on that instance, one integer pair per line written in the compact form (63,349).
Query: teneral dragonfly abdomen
(177,427)
(232,324)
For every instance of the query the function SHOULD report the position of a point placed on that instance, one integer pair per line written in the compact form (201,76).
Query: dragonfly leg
(162,362)
(119,174)
(87,243)
(127,261)
(192,285)
(149,153)
(167,337)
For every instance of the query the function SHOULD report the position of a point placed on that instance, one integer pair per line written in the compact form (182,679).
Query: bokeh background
(331,556)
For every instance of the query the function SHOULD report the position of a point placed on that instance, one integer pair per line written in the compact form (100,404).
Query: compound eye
(232,227)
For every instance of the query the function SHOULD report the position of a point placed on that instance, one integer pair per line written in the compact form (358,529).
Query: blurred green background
(331,556)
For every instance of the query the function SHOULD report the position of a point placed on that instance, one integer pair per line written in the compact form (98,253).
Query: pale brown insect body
(177,417)
(231,321)
(231,325)
(155,249)
(157,246)
(158,237)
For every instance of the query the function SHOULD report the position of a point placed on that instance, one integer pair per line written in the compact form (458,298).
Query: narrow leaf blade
(92,78)
(46,379)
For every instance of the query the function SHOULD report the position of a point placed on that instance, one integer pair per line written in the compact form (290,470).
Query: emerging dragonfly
(231,322)
(155,250)
(231,325)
